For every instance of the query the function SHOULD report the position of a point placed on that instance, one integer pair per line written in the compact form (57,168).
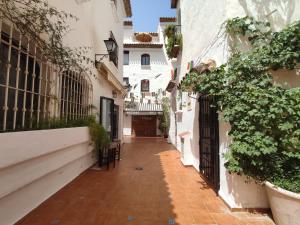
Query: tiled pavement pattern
(163,192)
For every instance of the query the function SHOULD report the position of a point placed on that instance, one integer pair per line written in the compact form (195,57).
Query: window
(145,85)
(126,57)
(75,94)
(29,91)
(145,60)
(113,56)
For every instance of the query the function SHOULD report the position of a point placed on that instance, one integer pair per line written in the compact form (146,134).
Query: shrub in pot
(99,137)
(271,155)
(174,41)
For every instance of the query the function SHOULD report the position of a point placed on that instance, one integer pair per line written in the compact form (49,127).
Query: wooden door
(144,126)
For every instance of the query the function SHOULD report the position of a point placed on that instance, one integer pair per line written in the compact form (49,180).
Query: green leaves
(264,118)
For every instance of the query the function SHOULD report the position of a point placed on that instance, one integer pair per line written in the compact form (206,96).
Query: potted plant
(174,45)
(164,125)
(174,41)
(170,30)
(273,157)
(99,137)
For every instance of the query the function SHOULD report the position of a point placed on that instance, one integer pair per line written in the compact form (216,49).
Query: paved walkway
(163,193)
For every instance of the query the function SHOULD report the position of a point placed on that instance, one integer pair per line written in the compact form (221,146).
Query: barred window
(75,95)
(29,91)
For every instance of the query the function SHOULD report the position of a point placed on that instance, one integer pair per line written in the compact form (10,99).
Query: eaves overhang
(139,45)
(110,77)
(127,6)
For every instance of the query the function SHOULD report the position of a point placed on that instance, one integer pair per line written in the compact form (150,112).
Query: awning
(135,108)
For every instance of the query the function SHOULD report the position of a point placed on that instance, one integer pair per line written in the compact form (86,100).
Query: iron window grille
(76,94)
(30,90)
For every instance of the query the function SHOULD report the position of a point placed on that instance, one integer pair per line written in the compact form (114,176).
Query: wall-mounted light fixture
(114,94)
(110,46)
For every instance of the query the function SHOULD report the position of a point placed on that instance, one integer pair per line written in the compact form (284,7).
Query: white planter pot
(285,205)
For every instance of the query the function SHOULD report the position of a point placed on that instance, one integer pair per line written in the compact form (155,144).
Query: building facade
(35,164)
(200,23)
(147,71)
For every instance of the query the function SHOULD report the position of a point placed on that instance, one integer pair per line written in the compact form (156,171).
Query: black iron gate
(209,142)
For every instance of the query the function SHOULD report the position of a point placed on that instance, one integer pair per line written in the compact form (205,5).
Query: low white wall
(127,125)
(237,191)
(36,164)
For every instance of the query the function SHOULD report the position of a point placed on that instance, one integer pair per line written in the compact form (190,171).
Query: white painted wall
(158,73)
(97,18)
(127,125)
(31,171)
(200,24)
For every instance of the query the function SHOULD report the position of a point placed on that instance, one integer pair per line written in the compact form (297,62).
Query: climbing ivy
(264,117)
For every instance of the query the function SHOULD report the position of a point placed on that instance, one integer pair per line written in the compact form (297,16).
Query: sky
(146,13)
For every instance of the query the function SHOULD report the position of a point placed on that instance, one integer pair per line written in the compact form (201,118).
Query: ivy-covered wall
(203,39)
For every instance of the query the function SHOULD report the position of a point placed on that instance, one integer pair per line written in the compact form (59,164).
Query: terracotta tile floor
(163,193)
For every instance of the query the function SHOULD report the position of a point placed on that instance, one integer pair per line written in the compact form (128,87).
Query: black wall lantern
(110,46)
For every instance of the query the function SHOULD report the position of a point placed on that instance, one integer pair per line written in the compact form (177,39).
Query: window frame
(126,53)
(145,59)
(148,85)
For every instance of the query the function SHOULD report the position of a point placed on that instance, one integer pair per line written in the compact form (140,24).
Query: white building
(200,22)
(147,71)
(36,164)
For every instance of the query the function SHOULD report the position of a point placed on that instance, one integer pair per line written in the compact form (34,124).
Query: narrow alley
(149,186)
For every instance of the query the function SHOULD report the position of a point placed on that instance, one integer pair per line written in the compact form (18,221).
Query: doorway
(144,126)
(209,142)
(109,117)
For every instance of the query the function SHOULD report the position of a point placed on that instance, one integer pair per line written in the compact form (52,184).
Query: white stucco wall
(158,65)
(127,125)
(31,171)
(200,24)
(158,73)
(97,18)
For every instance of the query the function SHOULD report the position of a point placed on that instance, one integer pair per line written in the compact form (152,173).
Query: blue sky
(146,13)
